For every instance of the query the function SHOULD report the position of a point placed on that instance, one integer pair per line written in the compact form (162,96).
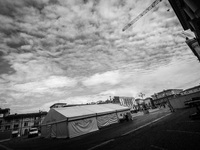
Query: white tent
(104,115)
(78,120)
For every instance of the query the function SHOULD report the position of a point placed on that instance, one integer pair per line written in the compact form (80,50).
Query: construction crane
(142,14)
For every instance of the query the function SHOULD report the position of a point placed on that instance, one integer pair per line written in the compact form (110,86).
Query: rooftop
(198,86)
(29,115)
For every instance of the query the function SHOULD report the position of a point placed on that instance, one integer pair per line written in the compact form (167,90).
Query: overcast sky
(74,51)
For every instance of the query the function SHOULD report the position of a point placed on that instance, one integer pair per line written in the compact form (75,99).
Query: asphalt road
(174,132)
(157,130)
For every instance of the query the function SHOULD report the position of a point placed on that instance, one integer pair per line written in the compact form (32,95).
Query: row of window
(190,91)
(7,127)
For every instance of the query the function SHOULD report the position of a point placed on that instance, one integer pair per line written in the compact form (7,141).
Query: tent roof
(83,111)
(117,107)
(75,111)
(98,109)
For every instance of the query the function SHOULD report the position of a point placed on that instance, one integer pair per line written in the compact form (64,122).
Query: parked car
(33,132)
(15,133)
(195,101)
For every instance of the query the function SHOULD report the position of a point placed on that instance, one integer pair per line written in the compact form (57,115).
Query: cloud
(45,84)
(105,78)
(75,51)
(57,82)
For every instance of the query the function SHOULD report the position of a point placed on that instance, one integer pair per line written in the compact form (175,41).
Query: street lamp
(168,102)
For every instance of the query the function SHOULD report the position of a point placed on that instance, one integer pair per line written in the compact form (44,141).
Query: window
(16,126)
(25,124)
(17,120)
(7,127)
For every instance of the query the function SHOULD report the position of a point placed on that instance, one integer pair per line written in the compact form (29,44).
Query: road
(157,130)
(173,132)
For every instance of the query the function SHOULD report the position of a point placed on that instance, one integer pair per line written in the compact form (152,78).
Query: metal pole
(169,104)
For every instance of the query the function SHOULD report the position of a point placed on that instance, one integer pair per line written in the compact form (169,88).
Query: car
(134,111)
(33,132)
(15,133)
(195,101)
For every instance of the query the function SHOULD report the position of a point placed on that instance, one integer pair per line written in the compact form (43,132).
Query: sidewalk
(137,114)
(140,113)
(154,110)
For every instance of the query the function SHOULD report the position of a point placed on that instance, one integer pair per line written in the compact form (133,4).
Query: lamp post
(168,102)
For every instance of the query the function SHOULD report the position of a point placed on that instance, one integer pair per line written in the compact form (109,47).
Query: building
(162,97)
(186,95)
(188,13)
(125,101)
(58,105)
(3,113)
(149,102)
(22,122)
(191,90)
(139,103)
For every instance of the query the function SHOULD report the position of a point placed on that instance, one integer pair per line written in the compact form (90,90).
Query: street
(157,130)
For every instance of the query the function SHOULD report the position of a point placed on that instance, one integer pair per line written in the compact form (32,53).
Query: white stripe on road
(146,124)
(179,131)
(106,142)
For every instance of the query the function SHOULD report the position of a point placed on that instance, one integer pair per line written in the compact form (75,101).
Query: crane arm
(142,14)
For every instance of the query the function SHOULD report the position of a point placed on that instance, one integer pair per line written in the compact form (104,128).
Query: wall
(178,102)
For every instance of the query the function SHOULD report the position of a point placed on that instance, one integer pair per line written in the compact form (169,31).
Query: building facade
(22,122)
(149,102)
(162,97)
(58,105)
(125,101)
(188,13)
(3,113)
(191,90)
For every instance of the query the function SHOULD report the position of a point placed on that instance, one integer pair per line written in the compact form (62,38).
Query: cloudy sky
(74,51)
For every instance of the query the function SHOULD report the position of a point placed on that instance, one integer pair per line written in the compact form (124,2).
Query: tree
(141,95)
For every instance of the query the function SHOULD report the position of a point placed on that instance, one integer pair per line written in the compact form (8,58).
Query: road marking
(5,147)
(156,147)
(145,125)
(104,143)
(179,131)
